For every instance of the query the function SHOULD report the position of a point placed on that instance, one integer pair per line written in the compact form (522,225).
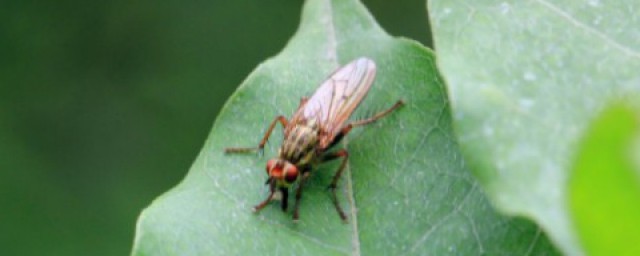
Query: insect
(319,123)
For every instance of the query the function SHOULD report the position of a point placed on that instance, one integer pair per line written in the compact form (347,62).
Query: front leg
(285,198)
(272,191)
(264,140)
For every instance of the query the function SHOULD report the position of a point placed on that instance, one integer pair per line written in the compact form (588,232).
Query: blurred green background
(104,105)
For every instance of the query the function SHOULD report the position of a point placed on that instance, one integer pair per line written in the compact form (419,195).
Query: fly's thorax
(300,143)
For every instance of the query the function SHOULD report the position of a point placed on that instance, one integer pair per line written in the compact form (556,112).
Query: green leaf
(604,187)
(405,176)
(525,77)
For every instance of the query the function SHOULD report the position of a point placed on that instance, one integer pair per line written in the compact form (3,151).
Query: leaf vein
(589,29)
(533,242)
(435,226)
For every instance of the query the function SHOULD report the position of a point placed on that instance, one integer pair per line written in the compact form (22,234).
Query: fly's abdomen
(299,146)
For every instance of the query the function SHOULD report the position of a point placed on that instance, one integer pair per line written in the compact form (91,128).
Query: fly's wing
(336,99)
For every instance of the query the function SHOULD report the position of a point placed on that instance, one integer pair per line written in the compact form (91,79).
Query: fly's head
(281,172)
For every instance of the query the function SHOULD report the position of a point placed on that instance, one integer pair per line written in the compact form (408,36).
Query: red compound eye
(270,165)
(290,173)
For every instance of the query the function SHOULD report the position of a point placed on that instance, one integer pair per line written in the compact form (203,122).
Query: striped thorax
(300,143)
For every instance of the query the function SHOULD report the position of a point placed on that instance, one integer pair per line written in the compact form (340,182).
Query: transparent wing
(336,99)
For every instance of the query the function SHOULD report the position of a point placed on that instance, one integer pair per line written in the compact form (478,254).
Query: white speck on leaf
(529,76)
(597,20)
(526,103)
(594,3)
(500,166)
(504,7)
(487,130)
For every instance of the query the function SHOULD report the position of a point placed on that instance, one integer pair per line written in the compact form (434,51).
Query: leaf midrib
(333,57)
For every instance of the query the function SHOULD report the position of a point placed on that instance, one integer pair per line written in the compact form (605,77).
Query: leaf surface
(525,78)
(406,190)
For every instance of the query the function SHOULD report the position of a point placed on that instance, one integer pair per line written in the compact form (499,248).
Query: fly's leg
(347,128)
(272,190)
(285,198)
(303,101)
(345,155)
(377,116)
(304,178)
(260,146)
(334,183)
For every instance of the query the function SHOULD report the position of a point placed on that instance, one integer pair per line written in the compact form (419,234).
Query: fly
(319,123)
